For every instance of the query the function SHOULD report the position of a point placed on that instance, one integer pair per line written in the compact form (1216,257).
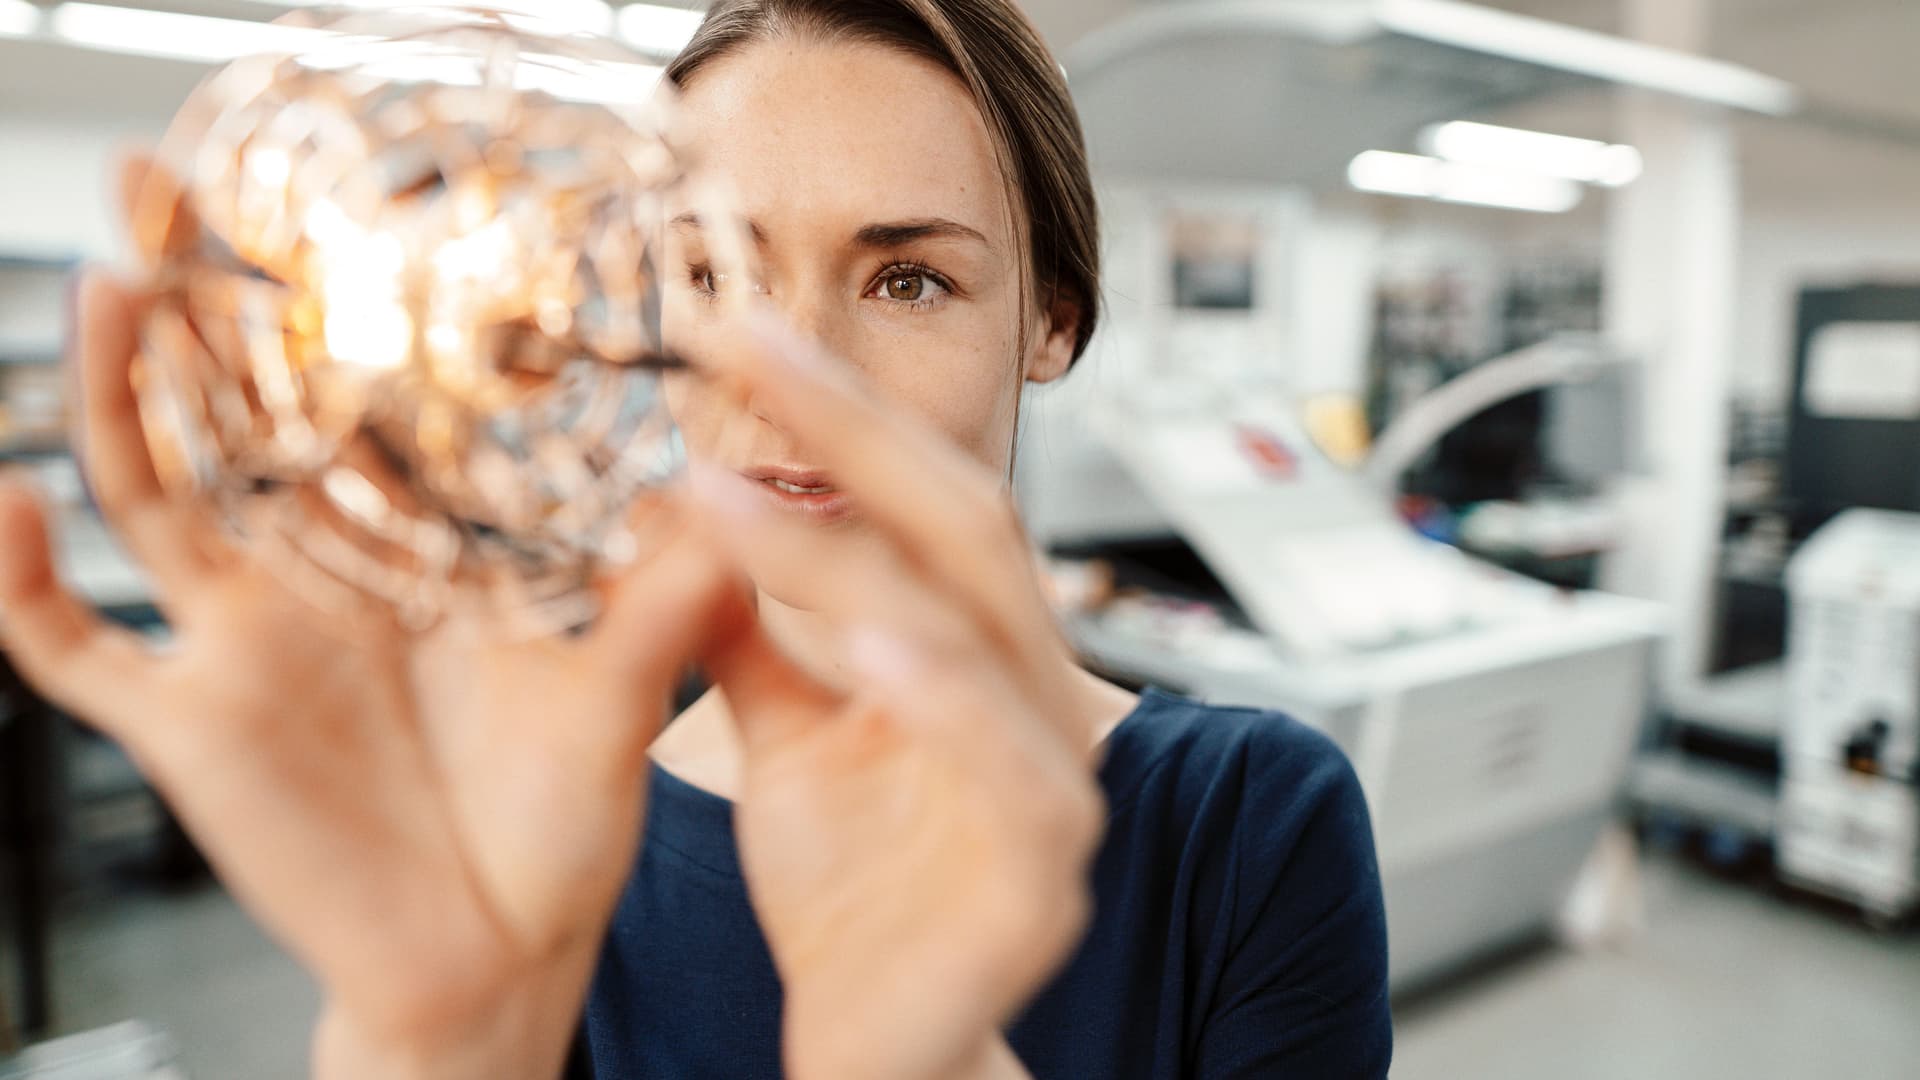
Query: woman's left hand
(916,848)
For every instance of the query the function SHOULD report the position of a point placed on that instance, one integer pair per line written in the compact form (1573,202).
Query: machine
(1490,718)
(1850,797)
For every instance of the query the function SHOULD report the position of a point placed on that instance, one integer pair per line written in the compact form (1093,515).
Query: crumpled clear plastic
(406,337)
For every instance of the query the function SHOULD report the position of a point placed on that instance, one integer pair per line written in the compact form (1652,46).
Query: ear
(1053,352)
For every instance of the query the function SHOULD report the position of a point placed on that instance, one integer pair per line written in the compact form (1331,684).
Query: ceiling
(1853,55)
(1858,53)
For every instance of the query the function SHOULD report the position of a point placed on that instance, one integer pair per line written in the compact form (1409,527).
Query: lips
(796,489)
(807,492)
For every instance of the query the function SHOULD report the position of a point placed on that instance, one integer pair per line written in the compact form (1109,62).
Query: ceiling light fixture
(18,18)
(168,34)
(1383,172)
(604,82)
(656,28)
(1568,48)
(593,16)
(1588,161)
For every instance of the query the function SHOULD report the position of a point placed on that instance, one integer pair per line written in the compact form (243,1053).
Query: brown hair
(1021,92)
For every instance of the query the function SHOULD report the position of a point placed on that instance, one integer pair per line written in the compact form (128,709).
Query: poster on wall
(1864,371)
(1214,258)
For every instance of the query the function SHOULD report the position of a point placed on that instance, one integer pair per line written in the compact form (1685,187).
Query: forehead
(814,135)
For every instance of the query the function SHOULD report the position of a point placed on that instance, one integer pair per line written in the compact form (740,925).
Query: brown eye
(909,285)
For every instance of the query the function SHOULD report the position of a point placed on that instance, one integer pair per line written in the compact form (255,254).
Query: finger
(653,606)
(910,480)
(982,720)
(165,534)
(772,698)
(946,514)
(929,669)
(684,602)
(95,670)
(823,573)
(135,165)
(159,218)
(689,603)
(857,590)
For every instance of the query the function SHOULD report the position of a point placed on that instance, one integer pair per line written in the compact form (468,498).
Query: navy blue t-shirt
(1238,928)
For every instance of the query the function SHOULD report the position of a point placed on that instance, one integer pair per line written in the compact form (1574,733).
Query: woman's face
(883,230)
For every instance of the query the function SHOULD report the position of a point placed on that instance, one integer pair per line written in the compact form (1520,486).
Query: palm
(391,804)
(412,814)
(916,851)
(855,820)
(894,866)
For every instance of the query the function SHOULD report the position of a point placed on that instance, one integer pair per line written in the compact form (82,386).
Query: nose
(814,315)
(818,309)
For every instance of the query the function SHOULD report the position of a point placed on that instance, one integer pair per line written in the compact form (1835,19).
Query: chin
(790,582)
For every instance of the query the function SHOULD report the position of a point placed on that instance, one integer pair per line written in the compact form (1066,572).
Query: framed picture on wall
(1215,257)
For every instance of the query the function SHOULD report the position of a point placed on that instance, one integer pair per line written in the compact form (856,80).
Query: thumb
(689,604)
(772,698)
(56,640)
(659,613)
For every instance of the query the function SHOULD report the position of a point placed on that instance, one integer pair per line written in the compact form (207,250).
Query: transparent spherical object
(407,337)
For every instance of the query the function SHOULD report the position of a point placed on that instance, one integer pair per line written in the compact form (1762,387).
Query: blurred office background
(1526,393)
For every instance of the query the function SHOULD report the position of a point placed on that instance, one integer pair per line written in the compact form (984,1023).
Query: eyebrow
(894,233)
(884,234)
(691,220)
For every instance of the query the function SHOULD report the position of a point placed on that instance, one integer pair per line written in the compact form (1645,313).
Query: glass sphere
(406,334)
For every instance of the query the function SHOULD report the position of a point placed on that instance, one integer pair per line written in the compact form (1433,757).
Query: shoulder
(1267,824)
(1258,809)
(1263,763)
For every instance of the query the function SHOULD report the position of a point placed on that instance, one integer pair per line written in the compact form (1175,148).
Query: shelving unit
(33,302)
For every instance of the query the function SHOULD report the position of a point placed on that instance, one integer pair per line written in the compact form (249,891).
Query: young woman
(905,837)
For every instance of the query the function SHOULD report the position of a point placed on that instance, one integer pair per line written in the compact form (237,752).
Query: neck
(807,637)
(701,747)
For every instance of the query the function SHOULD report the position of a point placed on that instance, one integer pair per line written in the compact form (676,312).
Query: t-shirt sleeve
(1303,991)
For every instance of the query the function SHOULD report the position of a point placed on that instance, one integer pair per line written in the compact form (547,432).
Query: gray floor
(194,965)
(1727,982)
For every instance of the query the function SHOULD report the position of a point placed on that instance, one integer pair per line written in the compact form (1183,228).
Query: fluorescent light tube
(656,28)
(172,35)
(1514,150)
(1382,172)
(1551,44)
(1385,173)
(567,78)
(18,18)
(592,16)
(604,83)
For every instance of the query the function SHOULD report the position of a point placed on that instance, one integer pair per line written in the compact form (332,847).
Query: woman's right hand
(436,825)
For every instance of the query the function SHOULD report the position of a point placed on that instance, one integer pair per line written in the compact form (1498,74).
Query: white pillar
(1673,268)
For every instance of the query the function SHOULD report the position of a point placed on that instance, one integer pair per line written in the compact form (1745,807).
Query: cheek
(964,385)
(697,410)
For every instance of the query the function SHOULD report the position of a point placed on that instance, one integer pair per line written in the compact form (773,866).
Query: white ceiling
(1859,53)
